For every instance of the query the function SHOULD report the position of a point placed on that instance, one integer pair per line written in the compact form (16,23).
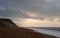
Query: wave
(46,31)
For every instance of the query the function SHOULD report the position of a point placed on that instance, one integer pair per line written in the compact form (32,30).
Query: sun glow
(37,23)
(31,22)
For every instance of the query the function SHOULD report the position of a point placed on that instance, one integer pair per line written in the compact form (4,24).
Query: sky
(32,13)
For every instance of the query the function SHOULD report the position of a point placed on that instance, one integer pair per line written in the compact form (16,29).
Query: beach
(14,32)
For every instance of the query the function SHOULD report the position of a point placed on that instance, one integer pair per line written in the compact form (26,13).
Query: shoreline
(11,32)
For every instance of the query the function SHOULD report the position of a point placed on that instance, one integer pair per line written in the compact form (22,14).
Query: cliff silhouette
(5,22)
(8,29)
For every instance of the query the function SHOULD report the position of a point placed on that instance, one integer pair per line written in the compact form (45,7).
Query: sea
(48,28)
(54,31)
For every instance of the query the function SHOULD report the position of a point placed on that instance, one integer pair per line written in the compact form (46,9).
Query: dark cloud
(12,13)
(45,7)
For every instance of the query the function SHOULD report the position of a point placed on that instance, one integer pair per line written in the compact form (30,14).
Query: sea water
(51,31)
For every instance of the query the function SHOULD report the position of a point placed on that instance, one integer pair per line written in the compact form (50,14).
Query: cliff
(4,22)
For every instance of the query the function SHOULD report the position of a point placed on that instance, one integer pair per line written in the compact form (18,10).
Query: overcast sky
(32,13)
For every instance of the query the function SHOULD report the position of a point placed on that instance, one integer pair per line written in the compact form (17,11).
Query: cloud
(33,15)
(43,10)
(37,23)
(44,7)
